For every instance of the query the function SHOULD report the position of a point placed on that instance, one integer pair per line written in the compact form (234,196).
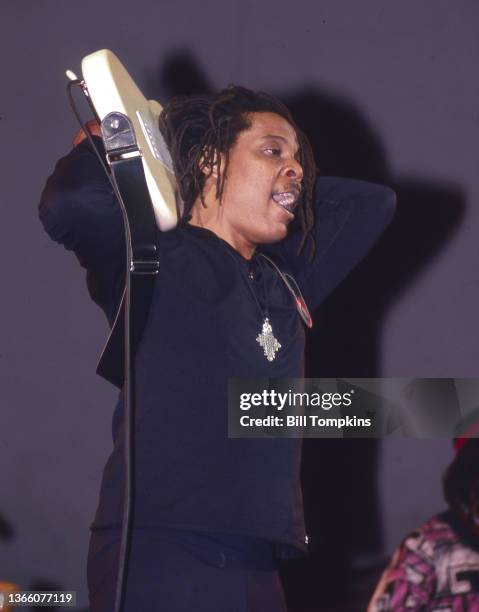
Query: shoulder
(194,261)
(429,533)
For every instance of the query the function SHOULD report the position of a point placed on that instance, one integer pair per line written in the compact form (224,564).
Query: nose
(293,170)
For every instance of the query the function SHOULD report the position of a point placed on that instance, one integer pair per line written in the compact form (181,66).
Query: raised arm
(350,217)
(79,210)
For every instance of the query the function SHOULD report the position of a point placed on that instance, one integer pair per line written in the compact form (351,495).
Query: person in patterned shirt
(437,565)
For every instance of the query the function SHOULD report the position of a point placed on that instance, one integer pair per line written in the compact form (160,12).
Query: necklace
(266,339)
(301,306)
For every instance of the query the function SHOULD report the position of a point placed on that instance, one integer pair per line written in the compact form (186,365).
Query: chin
(275,236)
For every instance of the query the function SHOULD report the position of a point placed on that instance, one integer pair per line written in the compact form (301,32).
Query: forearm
(351,217)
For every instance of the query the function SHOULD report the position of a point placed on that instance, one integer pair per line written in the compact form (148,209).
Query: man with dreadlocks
(213,515)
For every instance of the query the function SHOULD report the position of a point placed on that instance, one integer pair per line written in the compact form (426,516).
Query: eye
(273,151)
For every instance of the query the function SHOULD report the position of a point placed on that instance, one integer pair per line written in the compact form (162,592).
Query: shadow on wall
(341,500)
(7,531)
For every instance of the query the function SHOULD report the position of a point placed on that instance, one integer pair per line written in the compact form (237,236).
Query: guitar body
(111,89)
(143,177)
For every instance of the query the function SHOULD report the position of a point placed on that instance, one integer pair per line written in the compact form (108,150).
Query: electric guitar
(142,171)
(111,89)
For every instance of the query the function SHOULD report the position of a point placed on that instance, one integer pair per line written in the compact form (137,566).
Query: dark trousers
(178,571)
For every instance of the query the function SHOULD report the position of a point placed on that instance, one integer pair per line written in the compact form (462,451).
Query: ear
(208,168)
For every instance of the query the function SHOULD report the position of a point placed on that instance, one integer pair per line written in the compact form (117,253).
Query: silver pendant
(267,340)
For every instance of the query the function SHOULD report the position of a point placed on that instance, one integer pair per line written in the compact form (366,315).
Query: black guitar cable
(129,387)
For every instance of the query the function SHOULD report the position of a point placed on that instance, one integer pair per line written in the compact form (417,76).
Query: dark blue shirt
(205,316)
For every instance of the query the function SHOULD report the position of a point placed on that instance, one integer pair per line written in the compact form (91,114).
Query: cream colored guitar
(142,174)
(111,89)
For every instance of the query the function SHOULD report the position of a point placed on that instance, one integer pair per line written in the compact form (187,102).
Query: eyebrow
(282,138)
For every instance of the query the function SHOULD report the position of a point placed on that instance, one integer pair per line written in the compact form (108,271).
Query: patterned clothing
(435,568)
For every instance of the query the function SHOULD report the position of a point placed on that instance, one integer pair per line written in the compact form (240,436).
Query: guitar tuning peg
(71,75)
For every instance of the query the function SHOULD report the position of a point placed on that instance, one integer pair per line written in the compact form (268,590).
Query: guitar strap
(111,365)
(131,189)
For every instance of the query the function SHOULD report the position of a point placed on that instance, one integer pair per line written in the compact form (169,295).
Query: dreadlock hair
(199,128)
(461,479)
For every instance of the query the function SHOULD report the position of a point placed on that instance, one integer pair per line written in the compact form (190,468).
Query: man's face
(263,181)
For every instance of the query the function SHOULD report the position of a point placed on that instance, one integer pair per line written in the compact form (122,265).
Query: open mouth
(286,199)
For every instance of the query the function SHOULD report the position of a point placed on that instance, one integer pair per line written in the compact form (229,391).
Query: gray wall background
(408,68)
